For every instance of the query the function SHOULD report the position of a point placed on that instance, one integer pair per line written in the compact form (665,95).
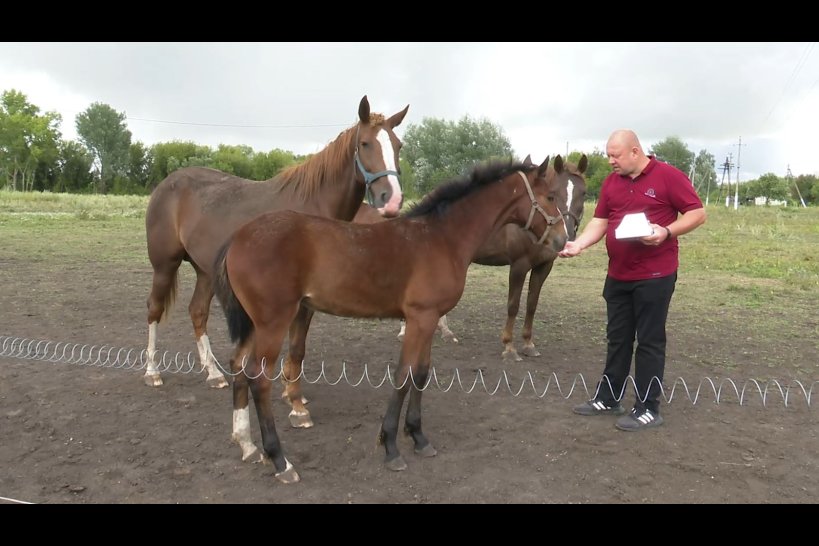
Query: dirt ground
(88,434)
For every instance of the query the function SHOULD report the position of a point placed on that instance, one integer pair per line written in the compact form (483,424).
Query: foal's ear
(558,164)
(528,160)
(364,110)
(396,119)
(583,165)
(543,166)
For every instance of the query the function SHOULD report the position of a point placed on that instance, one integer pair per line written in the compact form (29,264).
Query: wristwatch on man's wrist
(668,231)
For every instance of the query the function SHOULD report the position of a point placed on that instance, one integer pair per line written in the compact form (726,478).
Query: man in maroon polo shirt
(641,275)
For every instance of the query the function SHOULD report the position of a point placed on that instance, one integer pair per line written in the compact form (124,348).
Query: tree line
(105,159)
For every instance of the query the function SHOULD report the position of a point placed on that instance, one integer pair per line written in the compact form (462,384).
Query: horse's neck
(473,218)
(341,193)
(337,194)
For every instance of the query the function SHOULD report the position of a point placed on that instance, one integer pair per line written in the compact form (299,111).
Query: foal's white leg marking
(151,376)
(394,204)
(403,330)
(215,378)
(241,433)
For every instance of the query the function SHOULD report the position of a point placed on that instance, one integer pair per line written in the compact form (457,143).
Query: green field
(747,276)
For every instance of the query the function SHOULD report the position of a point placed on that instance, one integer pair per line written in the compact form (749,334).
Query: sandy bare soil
(88,434)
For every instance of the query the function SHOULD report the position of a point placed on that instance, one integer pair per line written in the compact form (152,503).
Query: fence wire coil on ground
(105,356)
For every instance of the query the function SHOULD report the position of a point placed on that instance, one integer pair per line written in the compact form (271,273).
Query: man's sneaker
(596,407)
(639,419)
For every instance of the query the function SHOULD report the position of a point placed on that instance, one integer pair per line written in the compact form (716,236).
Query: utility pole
(726,170)
(736,187)
(789,176)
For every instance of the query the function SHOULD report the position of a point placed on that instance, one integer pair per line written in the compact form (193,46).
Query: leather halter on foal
(550,220)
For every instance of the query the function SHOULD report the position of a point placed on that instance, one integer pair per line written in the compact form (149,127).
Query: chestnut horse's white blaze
(392,206)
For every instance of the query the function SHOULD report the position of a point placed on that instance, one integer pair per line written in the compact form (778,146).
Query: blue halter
(369,177)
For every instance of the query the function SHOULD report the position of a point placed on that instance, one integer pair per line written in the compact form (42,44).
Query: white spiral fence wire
(105,356)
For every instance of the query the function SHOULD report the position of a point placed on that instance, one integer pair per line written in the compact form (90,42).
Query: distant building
(772,202)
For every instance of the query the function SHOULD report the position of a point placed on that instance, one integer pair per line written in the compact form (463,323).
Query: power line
(236,125)
(805,54)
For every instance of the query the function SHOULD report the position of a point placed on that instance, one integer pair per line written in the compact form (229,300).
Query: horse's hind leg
(241,414)
(517,275)
(299,415)
(536,280)
(163,291)
(199,310)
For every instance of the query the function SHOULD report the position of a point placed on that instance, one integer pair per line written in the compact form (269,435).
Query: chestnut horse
(195,210)
(415,268)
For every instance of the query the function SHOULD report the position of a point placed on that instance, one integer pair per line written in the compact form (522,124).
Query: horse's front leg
(417,343)
(536,280)
(299,415)
(517,275)
(412,424)
(241,413)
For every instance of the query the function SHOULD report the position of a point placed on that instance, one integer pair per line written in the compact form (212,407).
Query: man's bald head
(625,153)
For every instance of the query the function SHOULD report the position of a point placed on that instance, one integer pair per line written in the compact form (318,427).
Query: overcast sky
(301,95)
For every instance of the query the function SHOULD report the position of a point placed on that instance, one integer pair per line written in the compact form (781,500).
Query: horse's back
(194,210)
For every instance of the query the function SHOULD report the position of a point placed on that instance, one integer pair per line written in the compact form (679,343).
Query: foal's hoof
(152,380)
(511,356)
(400,336)
(396,465)
(288,475)
(530,351)
(300,420)
(217,382)
(426,451)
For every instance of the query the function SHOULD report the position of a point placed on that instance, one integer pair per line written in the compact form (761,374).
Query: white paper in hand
(633,226)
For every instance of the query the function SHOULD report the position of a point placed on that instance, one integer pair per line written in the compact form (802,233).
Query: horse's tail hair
(170,297)
(239,324)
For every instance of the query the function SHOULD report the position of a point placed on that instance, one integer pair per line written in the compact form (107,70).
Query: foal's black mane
(437,201)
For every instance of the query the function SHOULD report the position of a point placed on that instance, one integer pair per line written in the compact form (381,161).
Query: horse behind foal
(195,210)
(513,247)
(416,269)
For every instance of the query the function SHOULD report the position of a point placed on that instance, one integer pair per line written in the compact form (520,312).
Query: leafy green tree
(808,186)
(675,152)
(437,149)
(267,165)
(169,156)
(104,132)
(27,139)
(236,160)
(140,160)
(75,164)
(769,186)
(705,175)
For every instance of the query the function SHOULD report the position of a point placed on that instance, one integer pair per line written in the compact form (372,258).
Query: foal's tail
(239,324)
